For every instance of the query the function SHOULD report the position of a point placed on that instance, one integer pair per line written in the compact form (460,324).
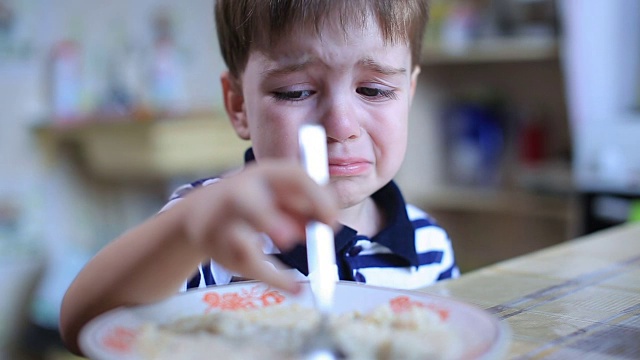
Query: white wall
(602,66)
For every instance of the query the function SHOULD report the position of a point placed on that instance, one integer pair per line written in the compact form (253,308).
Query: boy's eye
(376,93)
(295,95)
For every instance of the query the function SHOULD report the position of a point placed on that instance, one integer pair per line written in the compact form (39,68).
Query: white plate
(113,334)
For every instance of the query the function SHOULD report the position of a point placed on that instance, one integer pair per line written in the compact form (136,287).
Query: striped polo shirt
(410,252)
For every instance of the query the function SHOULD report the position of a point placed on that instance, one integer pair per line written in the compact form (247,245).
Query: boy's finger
(301,196)
(263,270)
(258,208)
(287,186)
(244,255)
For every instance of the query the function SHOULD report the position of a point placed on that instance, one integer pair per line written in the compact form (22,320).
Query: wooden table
(576,300)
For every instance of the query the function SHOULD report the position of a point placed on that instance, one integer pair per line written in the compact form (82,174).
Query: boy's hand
(275,197)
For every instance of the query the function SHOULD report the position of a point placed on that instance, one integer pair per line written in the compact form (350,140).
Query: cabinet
(529,206)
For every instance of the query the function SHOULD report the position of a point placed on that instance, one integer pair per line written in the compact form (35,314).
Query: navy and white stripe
(412,251)
(370,262)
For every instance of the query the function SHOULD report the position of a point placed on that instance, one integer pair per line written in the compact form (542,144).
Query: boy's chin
(351,194)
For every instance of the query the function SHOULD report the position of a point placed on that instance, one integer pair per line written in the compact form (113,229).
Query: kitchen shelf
(491,225)
(491,51)
(531,208)
(498,201)
(151,149)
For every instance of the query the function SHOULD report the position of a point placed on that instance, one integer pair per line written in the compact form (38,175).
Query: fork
(320,248)
(321,345)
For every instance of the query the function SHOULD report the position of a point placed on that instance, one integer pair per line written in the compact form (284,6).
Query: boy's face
(357,87)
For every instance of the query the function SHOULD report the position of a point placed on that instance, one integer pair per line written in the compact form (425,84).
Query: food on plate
(391,331)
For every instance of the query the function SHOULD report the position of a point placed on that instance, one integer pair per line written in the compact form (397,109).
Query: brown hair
(247,25)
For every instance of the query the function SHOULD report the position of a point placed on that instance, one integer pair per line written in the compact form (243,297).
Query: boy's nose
(341,123)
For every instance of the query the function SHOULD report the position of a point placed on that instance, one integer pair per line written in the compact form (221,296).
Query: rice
(278,332)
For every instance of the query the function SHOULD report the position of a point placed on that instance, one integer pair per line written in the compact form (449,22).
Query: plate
(112,335)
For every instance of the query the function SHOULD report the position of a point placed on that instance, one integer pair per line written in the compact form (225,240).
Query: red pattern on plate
(404,303)
(120,339)
(255,297)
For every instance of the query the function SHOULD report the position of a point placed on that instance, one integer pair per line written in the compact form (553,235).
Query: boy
(349,65)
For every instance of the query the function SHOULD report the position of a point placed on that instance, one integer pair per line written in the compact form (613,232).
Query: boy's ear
(234,104)
(414,81)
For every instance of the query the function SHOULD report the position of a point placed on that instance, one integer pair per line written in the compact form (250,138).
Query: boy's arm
(144,265)
(152,261)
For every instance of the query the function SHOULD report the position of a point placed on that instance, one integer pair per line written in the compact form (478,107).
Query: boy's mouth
(348,167)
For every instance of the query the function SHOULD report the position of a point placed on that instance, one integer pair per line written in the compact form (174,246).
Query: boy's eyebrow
(368,63)
(379,68)
(288,69)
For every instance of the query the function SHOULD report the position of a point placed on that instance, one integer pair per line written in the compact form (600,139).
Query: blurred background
(523,132)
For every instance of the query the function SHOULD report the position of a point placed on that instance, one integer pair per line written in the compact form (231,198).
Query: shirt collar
(398,235)
(249,156)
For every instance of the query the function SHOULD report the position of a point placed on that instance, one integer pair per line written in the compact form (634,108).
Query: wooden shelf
(158,148)
(491,51)
(498,201)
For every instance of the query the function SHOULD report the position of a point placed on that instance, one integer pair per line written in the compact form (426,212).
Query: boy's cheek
(276,148)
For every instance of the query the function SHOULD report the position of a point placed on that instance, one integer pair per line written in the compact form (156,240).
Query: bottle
(65,81)
(168,88)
